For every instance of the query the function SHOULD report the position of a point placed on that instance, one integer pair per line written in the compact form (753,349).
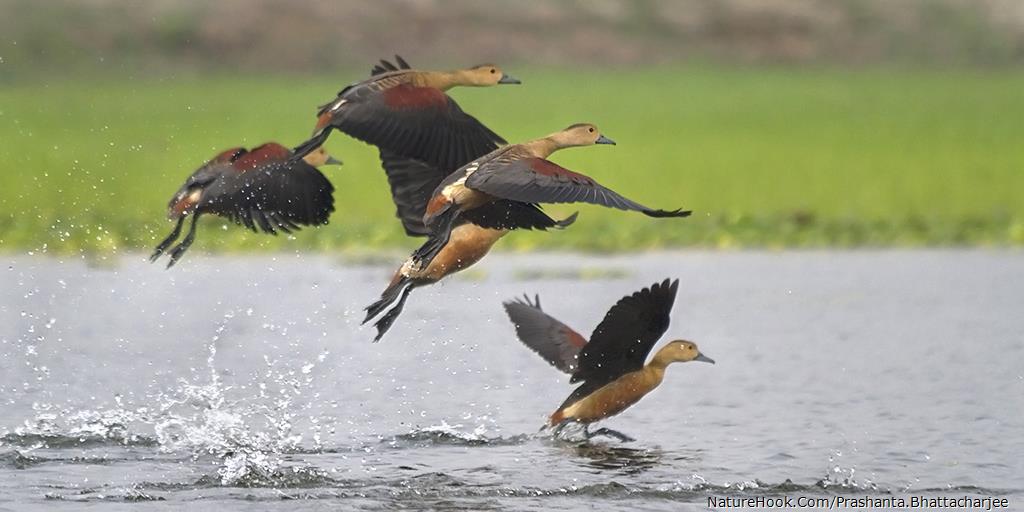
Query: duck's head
(580,134)
(319,157)
(485,75)
(681,351)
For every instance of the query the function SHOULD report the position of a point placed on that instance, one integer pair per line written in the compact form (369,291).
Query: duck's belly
(610,399)
(467,245)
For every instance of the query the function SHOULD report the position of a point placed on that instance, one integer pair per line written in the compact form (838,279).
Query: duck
(498,192)
(611,364)
(262,188)
(521,173)
(472,237)
(409,113)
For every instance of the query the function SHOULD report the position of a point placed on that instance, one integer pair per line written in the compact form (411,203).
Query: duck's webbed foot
(608,433)
(556,430)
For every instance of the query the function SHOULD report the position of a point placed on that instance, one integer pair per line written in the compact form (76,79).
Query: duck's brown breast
(467,245)
(614,397)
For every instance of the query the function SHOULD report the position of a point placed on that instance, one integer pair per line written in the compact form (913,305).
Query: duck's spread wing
(422,123)
(556,342)
(537,180)
(273,196)
(412,184)
(621,342)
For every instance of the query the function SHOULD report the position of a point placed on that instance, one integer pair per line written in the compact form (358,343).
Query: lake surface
(247,383)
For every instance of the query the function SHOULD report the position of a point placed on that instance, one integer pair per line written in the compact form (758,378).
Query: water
(247,383)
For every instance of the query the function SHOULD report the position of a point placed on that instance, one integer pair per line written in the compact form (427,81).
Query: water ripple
(59,440)
(451,435)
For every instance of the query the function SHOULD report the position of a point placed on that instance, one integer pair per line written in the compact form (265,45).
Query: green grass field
(764,157)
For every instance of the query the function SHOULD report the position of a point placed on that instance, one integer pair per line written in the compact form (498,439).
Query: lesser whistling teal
(611,365)
(522,172)
(407,112)
(262,189)
(499,192)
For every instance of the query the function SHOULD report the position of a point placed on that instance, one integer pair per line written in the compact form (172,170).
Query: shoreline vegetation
(767,157)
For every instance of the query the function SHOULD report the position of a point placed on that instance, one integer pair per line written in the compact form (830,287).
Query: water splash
(247,436)
(52,427)
(841,477)
(244,437)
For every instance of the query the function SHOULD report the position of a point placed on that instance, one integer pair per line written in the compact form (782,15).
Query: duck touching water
(611,365)
(262,189)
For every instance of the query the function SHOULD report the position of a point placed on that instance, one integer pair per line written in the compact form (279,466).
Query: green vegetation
(764,157)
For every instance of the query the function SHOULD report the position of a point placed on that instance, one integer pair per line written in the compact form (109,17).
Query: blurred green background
(780,123)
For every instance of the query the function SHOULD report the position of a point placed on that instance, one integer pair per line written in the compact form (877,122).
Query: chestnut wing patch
(536,180)
(408,97)
(260,155)
(558,173)
(229,155)
(415,122)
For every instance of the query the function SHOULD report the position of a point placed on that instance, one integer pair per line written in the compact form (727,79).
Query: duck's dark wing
(422,123)
(621,342)
(556,342)
(412,183)
(505,214)
(275,196)
(536,180)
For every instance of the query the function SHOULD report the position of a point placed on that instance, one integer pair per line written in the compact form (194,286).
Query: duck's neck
(661,359)
(443,80)
(543,147)
(653,373)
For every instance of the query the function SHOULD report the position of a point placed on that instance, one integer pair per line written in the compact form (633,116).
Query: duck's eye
(591,130)
(493,71)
